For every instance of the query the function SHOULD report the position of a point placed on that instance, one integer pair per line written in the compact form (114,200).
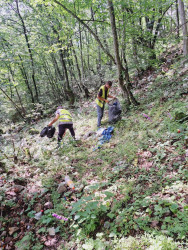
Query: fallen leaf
(12,230)
(154,223)
(50,242)
(51,231)
(12,193)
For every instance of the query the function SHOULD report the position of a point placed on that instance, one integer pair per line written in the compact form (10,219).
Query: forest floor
(132,193)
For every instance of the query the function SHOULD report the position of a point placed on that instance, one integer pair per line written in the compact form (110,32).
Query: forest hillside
(122,185)
(134,184)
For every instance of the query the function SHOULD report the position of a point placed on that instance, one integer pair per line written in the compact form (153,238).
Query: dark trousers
(100,112)
(63,128)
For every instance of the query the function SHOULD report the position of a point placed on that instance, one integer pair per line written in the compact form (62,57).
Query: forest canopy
(54,51)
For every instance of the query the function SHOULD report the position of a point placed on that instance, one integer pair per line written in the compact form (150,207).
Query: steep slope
(131,193)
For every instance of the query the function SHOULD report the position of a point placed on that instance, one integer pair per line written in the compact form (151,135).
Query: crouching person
(65,122)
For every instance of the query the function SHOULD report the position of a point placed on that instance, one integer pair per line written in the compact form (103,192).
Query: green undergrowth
(134,187)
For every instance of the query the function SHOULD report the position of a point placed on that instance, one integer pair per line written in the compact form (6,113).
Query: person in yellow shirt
(65,122)
(101,99)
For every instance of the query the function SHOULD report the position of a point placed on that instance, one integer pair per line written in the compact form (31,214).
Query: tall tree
(184,27)
(121,69)
(29,49)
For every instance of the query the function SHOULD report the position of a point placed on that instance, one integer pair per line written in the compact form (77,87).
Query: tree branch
(17,108)
(159,23)
(88,28)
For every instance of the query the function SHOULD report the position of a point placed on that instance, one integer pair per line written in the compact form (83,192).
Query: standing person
(102,96)
(65,122)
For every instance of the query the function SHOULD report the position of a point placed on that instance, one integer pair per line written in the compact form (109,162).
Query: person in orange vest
(101,99)
(65,122)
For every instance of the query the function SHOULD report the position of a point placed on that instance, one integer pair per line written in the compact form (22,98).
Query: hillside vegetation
(131,193)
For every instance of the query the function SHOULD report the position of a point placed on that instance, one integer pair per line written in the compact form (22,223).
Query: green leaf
(42,230)
(109,194)
(31,214)
(82,220)
(93,216)
(174,208)
(110,215)
(57,229)
(77,216)
(168,219)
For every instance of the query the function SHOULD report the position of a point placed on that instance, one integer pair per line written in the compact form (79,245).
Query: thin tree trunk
(50,75)
(81,54)
(61,77)
(86,91)
(184,26)
(14,104)
(126,70)
(98,62)
(51,83)
(158,27)
(135,55)
(68,90)
(29,50)
(69,93)
(56,66)
(177,20)
(77,67)
(120,69)
(26,80)
(19,97)
(88,56)
(27,83)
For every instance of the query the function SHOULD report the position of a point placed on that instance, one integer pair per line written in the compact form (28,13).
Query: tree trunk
(177,20)
(59,75)
(184,26)
(126,70)
(68,91)
(56,66)
(22,69)
(51,83)
(120,69)
(29,50)
(27,83)
(88,56)
(86,91)
(81,54)
(13,81)
(77,67)
(135,55)
(14,104)
(98,62)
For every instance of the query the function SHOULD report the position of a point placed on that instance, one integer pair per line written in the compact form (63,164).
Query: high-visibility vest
(65,116)
(99,102)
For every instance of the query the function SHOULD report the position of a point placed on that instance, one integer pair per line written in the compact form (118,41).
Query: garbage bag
(50,132)
(114,112)
(44,132)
